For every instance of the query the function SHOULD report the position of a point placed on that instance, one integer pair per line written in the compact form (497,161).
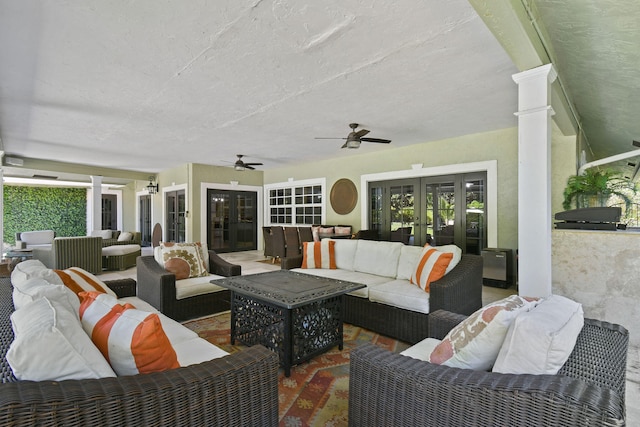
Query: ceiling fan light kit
(354,138)
(240,165)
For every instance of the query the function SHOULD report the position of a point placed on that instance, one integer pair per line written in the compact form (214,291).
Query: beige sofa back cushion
(345,253)
(380,258)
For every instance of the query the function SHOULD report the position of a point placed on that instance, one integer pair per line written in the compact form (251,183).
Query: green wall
(63,210)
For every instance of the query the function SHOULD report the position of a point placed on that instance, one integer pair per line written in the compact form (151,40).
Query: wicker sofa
(589,390)
(157,286)
(383,267)
(240,389)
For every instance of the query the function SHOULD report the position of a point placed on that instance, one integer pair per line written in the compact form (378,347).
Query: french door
(175,215)
(144,218)
(109,212)
(232,220)
(438,210)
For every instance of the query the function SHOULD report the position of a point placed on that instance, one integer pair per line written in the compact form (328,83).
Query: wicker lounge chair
(392,389)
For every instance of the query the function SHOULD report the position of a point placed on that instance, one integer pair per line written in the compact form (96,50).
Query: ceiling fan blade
(317,137)
(361,133)
(253,164)
(344,145)
(247,166)
(381,141)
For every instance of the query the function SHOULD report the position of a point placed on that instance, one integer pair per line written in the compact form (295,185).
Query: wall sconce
(151,188)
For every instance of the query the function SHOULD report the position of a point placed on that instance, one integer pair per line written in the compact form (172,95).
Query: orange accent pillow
(79,280)
(319,254)
(132,341)
(432,265)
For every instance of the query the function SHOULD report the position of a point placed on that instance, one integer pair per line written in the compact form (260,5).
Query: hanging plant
(594,188)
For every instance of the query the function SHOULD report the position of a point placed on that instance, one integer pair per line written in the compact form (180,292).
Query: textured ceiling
(595,46)
(149,85)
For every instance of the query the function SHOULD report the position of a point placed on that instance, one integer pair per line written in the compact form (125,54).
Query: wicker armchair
(390,389)
(84,252)
(136,239)
(236,390)
(157,286)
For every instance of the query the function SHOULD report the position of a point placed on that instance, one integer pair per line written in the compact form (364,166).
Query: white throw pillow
(50,345)
(36,288)
(540,341)
(476,341)
(125,237)
(31,269)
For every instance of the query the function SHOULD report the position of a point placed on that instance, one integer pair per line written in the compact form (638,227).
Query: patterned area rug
(317,392)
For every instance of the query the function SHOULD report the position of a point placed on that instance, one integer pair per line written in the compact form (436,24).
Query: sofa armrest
(122,287)
(238,388)
(459,291)
(219,266)
(288,263)
(155,284)
(390,389)
(442,321)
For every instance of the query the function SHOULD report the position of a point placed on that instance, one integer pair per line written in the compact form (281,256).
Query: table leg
(234,307)
(288,343)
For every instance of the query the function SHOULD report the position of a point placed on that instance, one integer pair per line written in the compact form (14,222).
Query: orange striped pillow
(132,341)
(432,265)
(79,280)
(319,254)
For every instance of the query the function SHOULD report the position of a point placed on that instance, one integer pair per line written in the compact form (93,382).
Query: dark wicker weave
(388,389)
(460,291)
(158,287)
(237,390)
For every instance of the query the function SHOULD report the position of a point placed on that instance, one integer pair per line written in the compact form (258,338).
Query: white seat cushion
(349,276)
(119,250)
(197,286)
(541,340)
(401,294)
(422,350)
(197,350)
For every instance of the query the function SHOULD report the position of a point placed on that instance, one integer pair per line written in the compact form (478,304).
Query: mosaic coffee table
(299,316)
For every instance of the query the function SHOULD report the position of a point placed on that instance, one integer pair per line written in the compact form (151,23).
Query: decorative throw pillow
(342,230)
(541,340)
(432,265)
(457,255)
(50,345)
(326,230)
(80,280)
(131,340)
(125,237)
(30,269)
(319,254)
(183,259)
(476,341)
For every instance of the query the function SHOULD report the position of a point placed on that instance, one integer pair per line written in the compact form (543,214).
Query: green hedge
(63,210)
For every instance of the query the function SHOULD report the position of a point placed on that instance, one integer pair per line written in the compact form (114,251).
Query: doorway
(175,215)
(109,212)
(144,216)
(232,220)
(439,210)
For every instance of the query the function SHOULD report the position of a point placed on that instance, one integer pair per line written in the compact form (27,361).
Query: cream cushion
(409,257)
(41,237)
(422,350)
(33,268)
(345,252)
(197,286)
(349,276)
(197,350)
(541,340)
(116,250)
(36,288)
(105,234)
(50,344)
(401,294)
(380,258)
(125,236)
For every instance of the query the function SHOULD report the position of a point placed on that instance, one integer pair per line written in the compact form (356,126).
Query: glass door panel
(402,212)
(232,220)
(246,227)
(475,233)
(175,215)
(441,212)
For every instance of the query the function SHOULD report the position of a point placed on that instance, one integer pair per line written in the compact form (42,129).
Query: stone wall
(601,270)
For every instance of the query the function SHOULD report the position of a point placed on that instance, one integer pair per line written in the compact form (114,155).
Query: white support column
(2,208)
(534,180)
(96,203)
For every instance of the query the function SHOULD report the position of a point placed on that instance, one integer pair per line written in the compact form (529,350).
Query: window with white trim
(296,204)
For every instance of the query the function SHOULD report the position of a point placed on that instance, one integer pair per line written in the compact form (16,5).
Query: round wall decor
(344,196)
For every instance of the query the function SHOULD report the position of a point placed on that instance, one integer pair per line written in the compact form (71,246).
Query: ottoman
(120,257)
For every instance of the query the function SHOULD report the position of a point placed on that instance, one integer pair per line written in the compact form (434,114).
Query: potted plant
(594,187)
